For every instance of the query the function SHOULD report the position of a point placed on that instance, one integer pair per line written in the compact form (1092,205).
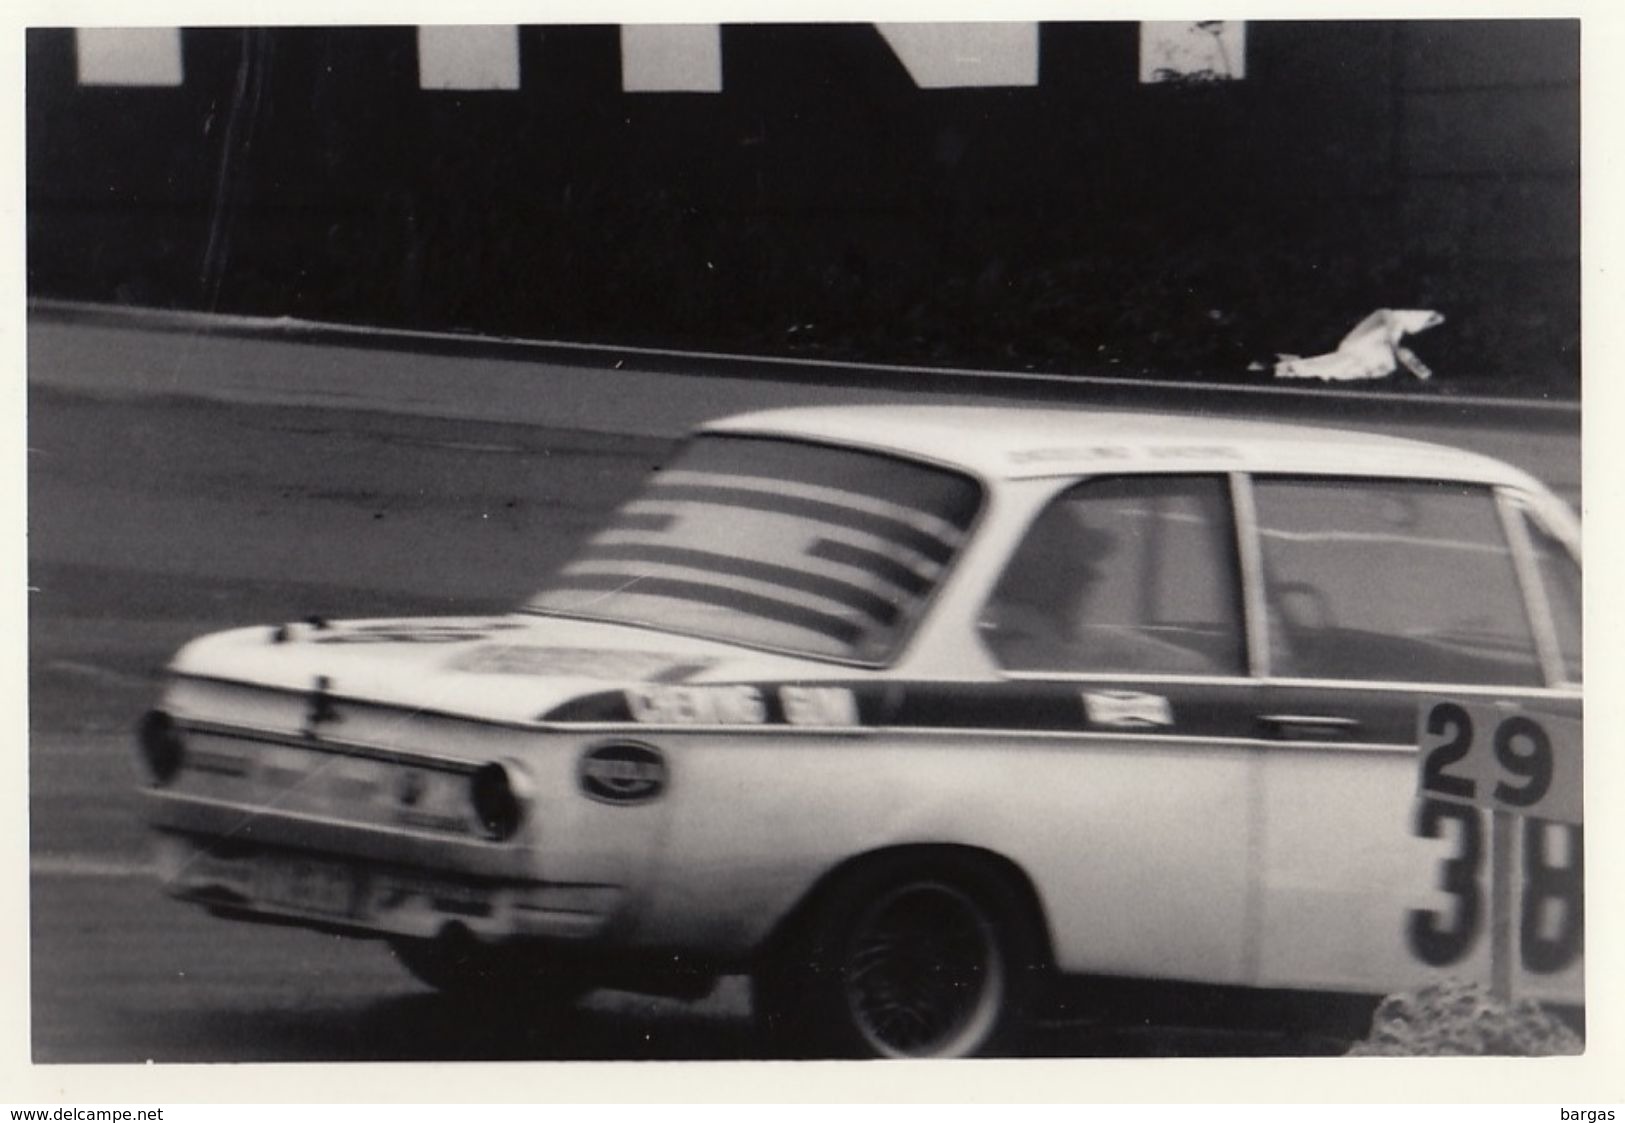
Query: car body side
(1198,849)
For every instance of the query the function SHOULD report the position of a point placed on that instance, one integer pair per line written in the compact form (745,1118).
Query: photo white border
(1596,1079)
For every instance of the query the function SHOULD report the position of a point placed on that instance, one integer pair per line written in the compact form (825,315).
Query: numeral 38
(1442,938)
(1523,750)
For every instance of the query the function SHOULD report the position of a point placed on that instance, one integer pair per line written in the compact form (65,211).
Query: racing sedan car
(909,711)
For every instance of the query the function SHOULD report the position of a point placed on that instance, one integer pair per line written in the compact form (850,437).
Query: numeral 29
(1522,748)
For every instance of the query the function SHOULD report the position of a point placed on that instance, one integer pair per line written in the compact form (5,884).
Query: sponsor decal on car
(1090,453)
(579,662)
(410,786)
(818,705)
(623,772)
(410,631)
(696,705)
(319,709)
(1127,709)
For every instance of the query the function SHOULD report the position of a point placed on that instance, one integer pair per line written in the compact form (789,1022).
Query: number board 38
(1502,758)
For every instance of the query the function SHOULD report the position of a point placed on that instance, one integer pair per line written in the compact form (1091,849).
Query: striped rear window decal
(927,545)
(850,595)
(781,544)
(888,569)
(768,608)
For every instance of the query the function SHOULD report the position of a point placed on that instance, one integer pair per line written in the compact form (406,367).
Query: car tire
(463,968)
(906,959)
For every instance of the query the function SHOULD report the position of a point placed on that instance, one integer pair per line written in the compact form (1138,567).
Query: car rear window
(807,548)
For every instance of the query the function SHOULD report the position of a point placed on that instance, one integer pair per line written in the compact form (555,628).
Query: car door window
(1391,581)
(1560,578)
(1126,575)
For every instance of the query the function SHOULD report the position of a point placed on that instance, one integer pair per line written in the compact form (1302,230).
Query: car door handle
(1313,725)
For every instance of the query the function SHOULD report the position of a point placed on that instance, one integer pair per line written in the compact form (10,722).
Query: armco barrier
(1297,401)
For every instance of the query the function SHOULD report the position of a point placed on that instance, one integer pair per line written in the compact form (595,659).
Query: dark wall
(1488,153)
(823,203)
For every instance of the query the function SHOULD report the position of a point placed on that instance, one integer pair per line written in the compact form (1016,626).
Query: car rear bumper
(283,884)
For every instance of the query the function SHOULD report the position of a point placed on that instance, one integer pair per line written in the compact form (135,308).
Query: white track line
(95,673)
(81,865)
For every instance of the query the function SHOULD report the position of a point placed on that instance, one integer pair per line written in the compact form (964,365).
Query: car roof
(1012,442)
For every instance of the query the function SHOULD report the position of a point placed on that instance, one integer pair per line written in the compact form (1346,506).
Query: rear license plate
(307,886)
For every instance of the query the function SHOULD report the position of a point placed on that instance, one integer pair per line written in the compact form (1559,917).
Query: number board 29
(1502,758)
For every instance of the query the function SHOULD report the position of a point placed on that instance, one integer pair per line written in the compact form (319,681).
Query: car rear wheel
(907,962)
(463,968)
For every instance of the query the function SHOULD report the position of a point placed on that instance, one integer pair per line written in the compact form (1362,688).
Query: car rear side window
(1123,575)
(1560,577)
(783,544)
(1391,581)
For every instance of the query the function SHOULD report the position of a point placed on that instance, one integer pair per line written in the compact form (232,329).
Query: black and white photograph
(798,539)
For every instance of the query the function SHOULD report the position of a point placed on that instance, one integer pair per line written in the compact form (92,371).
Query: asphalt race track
(178,485)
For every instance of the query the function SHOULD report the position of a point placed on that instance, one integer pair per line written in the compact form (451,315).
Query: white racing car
(906,711)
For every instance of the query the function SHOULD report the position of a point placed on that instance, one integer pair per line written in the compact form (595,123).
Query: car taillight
(500,792)
(163,750)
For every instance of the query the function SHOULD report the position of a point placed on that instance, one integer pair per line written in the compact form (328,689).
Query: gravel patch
(1456,1018)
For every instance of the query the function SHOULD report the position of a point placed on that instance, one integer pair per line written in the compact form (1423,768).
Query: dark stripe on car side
(1194,709)
(1219,710)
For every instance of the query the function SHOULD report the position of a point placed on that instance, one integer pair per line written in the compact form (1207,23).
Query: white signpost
(1514,763)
